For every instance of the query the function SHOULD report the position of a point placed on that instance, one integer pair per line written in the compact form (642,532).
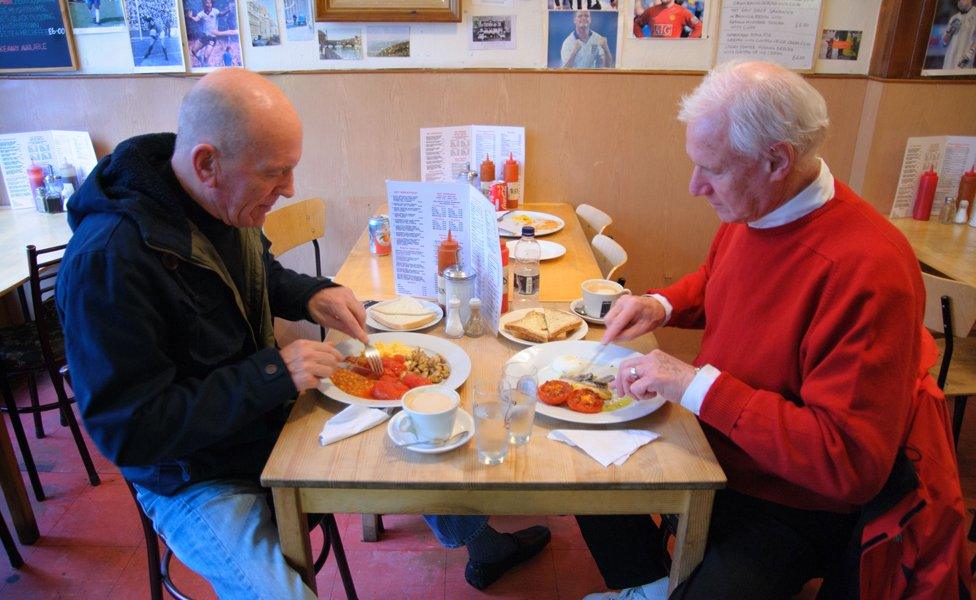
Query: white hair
(763,104)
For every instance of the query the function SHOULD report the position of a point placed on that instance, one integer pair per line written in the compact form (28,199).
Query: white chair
(593,220)
(609,255)
(950,310)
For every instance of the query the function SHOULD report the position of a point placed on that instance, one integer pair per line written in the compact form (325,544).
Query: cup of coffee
(599,295)
(430,412)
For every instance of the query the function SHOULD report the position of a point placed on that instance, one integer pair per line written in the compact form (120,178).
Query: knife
(586,368)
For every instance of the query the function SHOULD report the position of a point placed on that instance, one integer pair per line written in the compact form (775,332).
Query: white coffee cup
(430,412)
(599,295)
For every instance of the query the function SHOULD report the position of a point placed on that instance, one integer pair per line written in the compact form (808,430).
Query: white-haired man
(811,382)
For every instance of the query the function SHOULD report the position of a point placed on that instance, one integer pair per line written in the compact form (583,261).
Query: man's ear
(782,159)
(206,165)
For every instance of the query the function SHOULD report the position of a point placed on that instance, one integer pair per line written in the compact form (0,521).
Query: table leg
(372,527)
(12,484)
(293,533)
(689,547)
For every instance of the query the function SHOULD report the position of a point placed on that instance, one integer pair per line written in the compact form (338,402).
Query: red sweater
(815,326)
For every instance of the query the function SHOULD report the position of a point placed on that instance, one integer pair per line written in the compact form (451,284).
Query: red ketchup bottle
(446,257)
(505,273)
(926,195)
(511,173)
(967,187)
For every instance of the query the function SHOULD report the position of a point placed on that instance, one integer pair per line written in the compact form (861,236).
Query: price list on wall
(780,31)
(34,36)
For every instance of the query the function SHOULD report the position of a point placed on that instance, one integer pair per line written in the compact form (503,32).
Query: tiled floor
(91,543)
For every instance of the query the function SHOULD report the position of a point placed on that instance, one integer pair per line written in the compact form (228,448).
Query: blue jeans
(223,531)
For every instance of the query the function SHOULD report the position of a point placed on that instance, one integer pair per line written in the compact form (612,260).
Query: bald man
(166,293)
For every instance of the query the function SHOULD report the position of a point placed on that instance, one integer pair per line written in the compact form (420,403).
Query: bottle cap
(528,231)
(454,302)
(475,302)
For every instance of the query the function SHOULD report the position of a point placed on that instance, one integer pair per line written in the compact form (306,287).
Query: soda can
(379,235)
(498,195)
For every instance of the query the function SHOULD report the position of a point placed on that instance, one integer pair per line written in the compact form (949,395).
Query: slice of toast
(402,322)
(531,327)
(560,324)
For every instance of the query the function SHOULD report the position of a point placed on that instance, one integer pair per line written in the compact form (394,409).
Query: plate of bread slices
(530,326)
(403,314)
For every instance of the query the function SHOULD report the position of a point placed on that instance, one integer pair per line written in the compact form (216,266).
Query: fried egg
(567,364)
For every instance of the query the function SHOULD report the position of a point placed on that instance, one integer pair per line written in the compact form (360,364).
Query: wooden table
(949,249)
(677,474)
(18,228)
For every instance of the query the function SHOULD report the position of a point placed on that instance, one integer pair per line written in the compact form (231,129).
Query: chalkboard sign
(35,36)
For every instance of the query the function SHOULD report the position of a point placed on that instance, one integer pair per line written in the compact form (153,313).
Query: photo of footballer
(668,19)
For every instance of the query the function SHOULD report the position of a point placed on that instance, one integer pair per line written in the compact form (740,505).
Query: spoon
(437,443)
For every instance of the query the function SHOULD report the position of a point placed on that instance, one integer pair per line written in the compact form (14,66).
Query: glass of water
(518,390)
(490,434)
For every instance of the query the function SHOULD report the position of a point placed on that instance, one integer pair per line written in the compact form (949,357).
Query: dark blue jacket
(173,383)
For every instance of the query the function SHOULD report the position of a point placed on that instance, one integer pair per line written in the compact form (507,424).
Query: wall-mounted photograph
(668,19)
(340,42)
(96,16)
(155,36)
(582,39)
(836,44)
(212,34)
(262,18)
(952,40)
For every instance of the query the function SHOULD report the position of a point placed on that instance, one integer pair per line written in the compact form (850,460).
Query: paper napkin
(605,446)
(348,422)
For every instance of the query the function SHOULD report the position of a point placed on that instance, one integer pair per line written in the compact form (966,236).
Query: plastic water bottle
(527,254)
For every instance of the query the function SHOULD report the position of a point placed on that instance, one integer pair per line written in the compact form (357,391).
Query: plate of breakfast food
(403,314)
(576,388)
(409,360)
(510,223)
(530,326)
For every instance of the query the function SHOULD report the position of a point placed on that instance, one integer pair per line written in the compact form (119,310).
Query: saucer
(463,422)
(577,307)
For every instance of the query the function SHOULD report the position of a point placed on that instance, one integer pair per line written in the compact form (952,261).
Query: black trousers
(755,549)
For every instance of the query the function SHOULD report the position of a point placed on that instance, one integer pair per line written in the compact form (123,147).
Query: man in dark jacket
(166,293)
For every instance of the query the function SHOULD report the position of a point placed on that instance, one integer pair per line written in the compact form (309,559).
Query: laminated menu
(421,215)
(447,152)
(18,150)
(949,155)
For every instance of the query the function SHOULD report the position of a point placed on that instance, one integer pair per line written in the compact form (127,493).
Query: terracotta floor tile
(50,571)
(104,515)
(401,532)
(405,574)
(576,573)
(565,533)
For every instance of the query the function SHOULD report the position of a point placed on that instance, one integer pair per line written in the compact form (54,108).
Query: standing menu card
(18,150)
(446,152)
(950,155)
(421,215)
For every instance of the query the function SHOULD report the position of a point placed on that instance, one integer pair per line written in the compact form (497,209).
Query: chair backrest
(42,268)
(593,220)
(609,255)
(295,224)
(962,304)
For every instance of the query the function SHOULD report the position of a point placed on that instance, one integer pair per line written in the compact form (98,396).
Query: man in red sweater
(665,20)
(811,382)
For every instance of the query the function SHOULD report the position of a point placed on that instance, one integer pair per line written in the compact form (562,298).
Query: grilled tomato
(585,401)
(555,392)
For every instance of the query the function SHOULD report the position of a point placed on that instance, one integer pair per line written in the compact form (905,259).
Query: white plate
(509,227)
(463,422)
(515,315)
(550,250)
(456,357)
(428,305)
(542,356)
(576,307)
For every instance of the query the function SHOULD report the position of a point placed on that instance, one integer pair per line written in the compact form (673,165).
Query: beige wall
(609,139)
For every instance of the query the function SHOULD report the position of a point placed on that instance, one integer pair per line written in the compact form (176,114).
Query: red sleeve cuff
(724,403)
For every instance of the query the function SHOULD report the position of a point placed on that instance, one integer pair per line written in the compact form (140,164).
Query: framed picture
(35,36)
(423,11)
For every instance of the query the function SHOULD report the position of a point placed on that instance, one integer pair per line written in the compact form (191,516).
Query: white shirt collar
(808,200)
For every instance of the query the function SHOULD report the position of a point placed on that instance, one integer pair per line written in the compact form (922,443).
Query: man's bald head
(231,109)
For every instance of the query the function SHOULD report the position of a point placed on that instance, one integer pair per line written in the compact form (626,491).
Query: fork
(373,358)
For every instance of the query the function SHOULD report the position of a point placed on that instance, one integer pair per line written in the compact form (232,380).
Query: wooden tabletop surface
(371,277)
(21,227)
(949,249)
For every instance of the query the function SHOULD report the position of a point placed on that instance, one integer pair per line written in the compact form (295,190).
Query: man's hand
(631,317)
(657,372)
(337,308)
(309,361)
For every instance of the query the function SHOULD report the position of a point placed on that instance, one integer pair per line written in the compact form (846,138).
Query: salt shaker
(948,212)
(454,328)
(476,325)
(962,213)
(459,283)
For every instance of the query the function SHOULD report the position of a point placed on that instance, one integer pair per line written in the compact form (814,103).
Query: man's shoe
(528,542)
(656,590)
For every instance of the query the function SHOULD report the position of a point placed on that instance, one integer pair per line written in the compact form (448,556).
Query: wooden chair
(38,346)
(950,310)
(294,225)
(610,256)
(593,220)
(13,554)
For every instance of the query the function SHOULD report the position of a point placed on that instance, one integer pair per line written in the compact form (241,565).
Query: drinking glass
(518,390)
(490,435)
